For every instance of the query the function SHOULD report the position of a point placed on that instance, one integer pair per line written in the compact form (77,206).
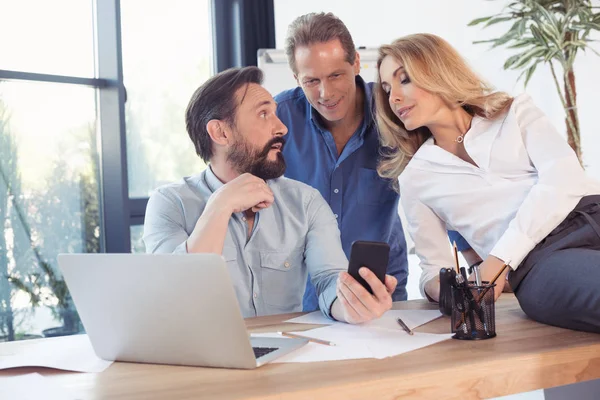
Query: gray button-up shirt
(297,235)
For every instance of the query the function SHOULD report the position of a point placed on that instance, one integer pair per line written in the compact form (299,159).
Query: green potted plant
(548,32)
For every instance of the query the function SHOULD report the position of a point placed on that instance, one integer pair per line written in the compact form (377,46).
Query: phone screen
(372,255)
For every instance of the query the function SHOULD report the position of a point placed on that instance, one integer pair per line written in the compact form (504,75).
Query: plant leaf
(538,35)
(529,73)
(510,61)
(592,49)
(551,54)
(484,41)
(522,43)
(528,56)
(504,39)
(496,20)
(479,21)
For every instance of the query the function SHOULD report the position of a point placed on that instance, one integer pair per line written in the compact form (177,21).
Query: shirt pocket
(282,279)
(372,189)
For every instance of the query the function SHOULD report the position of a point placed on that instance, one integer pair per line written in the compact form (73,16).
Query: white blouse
(527,181)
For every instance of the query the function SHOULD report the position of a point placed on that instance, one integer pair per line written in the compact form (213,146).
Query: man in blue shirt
(333,142)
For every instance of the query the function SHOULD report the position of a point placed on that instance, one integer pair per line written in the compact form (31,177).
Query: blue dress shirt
(365,205)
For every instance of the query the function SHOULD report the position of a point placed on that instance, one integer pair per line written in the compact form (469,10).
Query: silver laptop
(165,309)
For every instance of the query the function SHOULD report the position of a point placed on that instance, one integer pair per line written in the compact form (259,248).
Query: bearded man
(272,231)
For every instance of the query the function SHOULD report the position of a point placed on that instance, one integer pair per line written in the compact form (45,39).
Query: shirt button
(336,191)
(286,264)
(255,295)
(244,219)
(336,216)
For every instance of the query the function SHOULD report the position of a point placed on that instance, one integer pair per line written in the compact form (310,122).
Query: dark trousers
(558,283)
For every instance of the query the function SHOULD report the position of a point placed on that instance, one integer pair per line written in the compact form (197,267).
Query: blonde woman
(493,168)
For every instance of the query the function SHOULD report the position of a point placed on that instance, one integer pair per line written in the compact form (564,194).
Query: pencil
(456,258)
(314,340)
(493,280)
(404,326)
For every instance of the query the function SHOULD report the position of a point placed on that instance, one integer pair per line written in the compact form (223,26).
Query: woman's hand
(489,269)
(432,289)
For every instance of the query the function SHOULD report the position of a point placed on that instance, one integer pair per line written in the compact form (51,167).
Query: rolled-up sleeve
(561,184)
(164,224)
(324,255)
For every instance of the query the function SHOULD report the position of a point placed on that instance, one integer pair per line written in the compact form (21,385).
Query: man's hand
(489,268)
(240,194)
(243,193)
(355,304)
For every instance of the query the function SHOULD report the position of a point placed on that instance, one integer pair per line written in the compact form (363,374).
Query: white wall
(375,22)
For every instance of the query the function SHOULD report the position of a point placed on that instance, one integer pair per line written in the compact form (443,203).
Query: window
(80,94)
(167,54)
(60,80)
(137,244)
(49,201)
(50,37)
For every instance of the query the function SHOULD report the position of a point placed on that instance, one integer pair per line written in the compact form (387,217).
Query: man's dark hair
(317,28)
(215,99)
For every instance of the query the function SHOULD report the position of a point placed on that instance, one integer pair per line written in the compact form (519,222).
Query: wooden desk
(524,356)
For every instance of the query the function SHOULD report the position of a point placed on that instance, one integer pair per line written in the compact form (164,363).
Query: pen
(404,326)
(477,275)
(314,340)
(456,257)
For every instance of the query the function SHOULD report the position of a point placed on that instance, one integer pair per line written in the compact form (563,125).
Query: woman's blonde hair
(435,66)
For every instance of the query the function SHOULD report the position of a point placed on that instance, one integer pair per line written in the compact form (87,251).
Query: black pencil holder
(473,312)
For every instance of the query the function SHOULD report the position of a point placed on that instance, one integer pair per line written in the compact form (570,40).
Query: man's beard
(244,159)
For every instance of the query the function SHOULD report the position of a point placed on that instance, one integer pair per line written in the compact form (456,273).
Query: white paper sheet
(313,352)
(32,387)
(70,353)
(315,317)
(412,318)
(377,339)
(381,342)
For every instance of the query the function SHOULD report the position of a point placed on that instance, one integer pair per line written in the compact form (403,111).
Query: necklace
(461,138)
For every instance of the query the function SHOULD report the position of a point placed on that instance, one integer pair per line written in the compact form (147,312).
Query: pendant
(460,139)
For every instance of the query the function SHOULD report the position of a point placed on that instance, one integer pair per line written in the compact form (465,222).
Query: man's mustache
(270,144)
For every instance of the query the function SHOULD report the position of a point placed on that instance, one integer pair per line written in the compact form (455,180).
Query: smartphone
(373,255)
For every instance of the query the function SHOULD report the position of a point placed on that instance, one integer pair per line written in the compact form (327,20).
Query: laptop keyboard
(261,351)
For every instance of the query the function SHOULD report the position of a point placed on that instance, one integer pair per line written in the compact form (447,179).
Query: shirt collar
(211,179)
(369,110)
(479,139)
(214,183)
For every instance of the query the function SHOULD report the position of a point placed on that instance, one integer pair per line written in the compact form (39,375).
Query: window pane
(166,56)
(49,202)
(137,244)
(51,37)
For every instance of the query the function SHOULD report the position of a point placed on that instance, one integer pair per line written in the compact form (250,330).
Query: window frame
(118,211)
